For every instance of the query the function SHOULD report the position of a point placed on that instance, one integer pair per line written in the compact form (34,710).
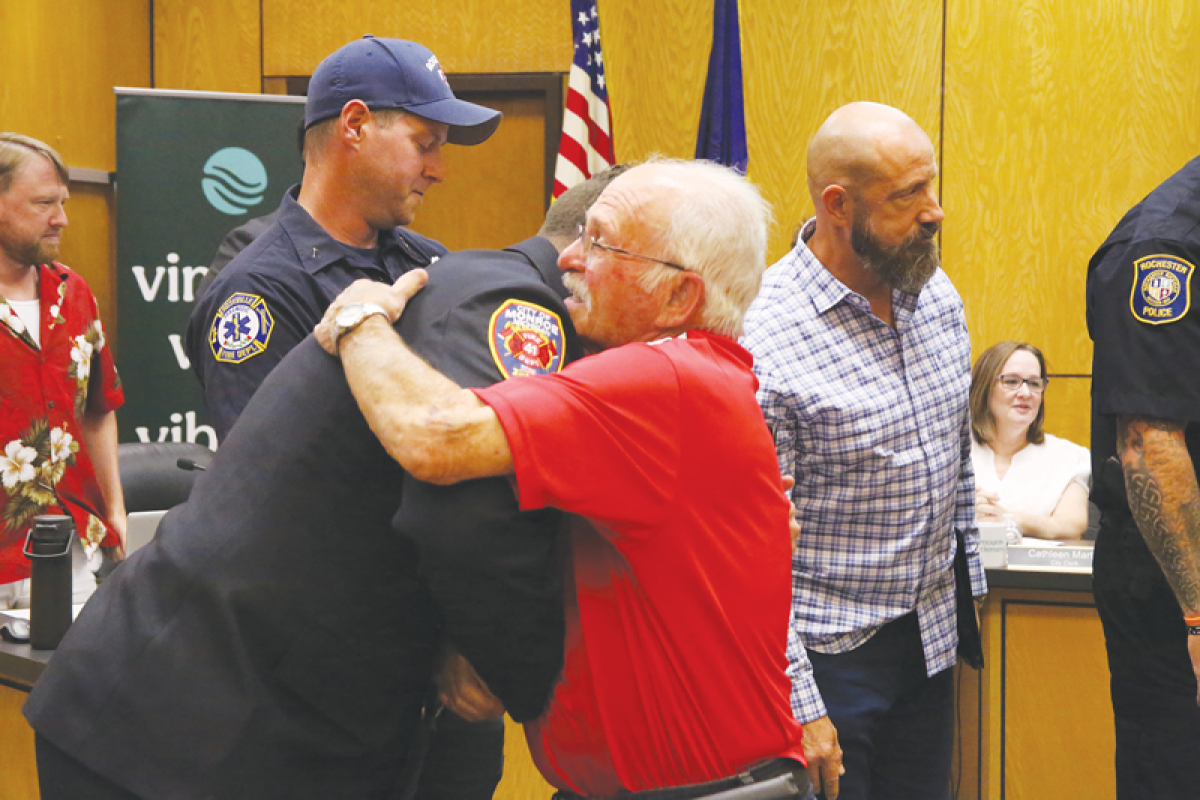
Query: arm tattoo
(1160,481)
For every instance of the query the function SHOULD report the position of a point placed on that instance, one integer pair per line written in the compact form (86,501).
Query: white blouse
(1037,476)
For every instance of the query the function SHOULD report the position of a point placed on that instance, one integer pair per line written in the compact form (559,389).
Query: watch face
(349,315)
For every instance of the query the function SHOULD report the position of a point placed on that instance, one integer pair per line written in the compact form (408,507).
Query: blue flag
(722,136)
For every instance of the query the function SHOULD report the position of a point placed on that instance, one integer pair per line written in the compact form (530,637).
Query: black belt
(788,777)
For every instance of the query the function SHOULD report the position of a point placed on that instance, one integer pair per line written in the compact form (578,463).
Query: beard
(32,253)
(907,266)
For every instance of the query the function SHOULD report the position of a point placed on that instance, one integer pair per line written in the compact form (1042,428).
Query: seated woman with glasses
(1040,479)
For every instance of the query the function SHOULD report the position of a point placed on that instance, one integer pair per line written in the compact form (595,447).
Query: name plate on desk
(1039,556)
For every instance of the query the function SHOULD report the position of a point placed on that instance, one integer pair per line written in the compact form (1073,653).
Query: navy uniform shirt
(487,316)
(276,637)
(1144,322)
(235,242)
(272,295)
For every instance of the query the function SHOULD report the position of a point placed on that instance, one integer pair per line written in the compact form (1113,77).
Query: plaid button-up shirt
(873,423)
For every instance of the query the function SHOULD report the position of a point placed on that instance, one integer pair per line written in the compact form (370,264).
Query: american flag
(586,144)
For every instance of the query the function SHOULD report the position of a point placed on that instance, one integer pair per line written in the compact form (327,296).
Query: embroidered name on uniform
(525,339)
(1161,289)
(241,328)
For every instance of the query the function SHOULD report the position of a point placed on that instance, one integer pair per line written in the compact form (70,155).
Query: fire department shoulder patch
(526,339)
(1161,289)
(241,328)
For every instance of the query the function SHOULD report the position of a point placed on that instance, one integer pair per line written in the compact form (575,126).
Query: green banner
(191,166)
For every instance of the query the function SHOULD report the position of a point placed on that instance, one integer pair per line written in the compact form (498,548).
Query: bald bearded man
(861,351)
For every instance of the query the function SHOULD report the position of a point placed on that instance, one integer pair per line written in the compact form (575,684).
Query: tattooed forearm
(1160,481)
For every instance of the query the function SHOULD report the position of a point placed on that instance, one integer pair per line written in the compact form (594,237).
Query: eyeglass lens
(1013,383)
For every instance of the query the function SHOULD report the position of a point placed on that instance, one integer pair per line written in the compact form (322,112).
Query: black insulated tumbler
(48,547)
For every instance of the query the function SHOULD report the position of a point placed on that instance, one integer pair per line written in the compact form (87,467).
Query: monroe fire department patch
(526,339)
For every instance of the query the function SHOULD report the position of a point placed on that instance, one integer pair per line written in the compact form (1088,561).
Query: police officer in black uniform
(277,637)
(1145,442)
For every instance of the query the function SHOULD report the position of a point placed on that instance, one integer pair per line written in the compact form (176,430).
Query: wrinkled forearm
(437,431)
(1160,481)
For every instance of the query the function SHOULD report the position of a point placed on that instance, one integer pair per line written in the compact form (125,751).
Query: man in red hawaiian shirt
(58,385)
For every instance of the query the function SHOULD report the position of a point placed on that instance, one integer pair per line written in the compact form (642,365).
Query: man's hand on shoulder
(391,298)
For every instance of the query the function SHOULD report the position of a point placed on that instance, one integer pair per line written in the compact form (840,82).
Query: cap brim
(470,124)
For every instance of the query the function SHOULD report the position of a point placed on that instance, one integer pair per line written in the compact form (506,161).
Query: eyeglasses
(588,242)
(1012,383)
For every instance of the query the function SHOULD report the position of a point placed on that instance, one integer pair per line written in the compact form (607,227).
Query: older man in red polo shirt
(674,677)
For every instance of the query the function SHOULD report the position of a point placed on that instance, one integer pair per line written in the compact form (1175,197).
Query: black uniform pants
(464,760)
(1153,686)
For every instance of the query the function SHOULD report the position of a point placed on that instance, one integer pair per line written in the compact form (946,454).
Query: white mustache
(577,287)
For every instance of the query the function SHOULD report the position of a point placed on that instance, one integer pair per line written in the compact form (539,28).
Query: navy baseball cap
(394,73)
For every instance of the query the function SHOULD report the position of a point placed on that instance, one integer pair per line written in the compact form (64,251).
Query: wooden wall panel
(89,247)
(655,59)
(466,35)
(1037,721)
(207,45)
(18,779)
(1069,409)
(60,62)
(1059,117)
(64,96)
(521,779)
(492,195)
(1055,695)
(803,59)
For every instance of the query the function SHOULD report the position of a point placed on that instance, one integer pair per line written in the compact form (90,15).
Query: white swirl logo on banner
(234,180)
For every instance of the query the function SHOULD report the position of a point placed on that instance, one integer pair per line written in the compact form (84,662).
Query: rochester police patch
(525,339)
(1161,289)
(241,328)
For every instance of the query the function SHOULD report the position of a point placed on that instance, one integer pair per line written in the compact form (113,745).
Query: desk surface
(1054,581)
(20,664)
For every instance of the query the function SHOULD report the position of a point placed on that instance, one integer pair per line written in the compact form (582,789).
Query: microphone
(189,465)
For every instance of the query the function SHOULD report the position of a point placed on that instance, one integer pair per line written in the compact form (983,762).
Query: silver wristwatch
(350,316)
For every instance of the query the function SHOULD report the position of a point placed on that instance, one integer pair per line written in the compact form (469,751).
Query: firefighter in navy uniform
(1145,441)
(377,114)
(270,296)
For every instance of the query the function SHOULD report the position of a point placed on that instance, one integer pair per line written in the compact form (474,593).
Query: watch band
(364,312)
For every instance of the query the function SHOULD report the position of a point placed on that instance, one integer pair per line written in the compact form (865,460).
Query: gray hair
(717,228)
(15,150)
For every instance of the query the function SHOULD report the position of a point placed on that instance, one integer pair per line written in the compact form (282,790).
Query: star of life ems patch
(1161,290)
(241,328)
(526,339)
